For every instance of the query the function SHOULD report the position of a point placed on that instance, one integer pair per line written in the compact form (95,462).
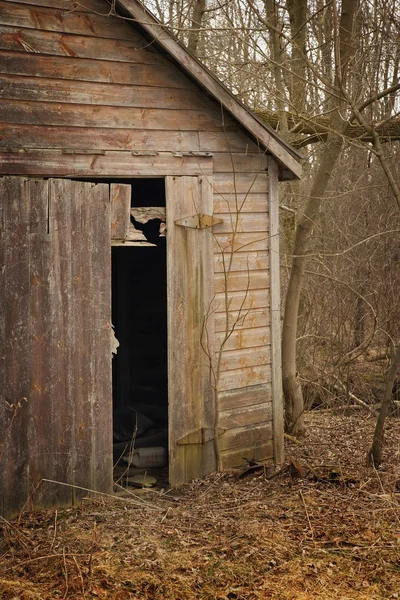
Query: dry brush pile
(325,526)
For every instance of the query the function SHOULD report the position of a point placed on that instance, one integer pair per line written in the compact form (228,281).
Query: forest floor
(332,532)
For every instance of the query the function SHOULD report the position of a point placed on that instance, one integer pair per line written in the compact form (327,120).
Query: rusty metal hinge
(198,221)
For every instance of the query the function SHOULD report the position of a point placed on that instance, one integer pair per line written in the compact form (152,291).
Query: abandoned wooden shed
(105,120)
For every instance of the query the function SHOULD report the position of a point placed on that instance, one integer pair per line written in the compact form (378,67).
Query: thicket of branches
(326,75)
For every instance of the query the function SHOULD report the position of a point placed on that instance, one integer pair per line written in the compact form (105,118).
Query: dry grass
(227,538)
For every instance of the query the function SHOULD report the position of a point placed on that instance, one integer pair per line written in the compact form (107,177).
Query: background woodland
(326,76)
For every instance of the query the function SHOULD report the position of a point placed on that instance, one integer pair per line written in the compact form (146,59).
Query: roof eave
(287,157)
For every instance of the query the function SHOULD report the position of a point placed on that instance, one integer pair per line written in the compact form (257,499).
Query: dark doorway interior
(139,316)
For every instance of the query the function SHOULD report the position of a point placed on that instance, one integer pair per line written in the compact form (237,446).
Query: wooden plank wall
(83,94)
(55,397)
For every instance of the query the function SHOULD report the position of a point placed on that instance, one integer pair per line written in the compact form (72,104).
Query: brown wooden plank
(235,300)
(36,136)
(238,457)
(250,396)
(3,420)
(240,183)
(64,44)
(190,292)
(143,71)
(81,348)
(242,437)
(100,396)
(120,210)
(241,261)
(240,163)
(240,242)
(241,280)
(16,348)
(242,319)
(65,21)
(242,222)
(118,117)
(275,308)
(246,338)
(111,164)
(107,94)
(251,202)
(244,377)
(242,357)
(242,417)
(267,136)
(79,5)
(43,454)
(228,141)
(62,380)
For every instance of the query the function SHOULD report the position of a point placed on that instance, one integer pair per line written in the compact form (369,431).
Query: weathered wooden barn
(103,120)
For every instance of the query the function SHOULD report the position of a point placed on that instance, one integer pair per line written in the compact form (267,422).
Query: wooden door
(190,274)
(55,369)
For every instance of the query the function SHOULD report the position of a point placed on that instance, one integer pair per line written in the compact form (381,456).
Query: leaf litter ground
(325,527)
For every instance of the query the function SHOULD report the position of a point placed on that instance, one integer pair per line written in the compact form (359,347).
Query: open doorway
(139,317)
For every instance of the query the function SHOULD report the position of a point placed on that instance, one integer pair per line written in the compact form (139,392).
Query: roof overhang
(287,157)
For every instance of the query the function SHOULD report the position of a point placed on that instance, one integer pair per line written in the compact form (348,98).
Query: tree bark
(294,404)
(197,18)
(375,454)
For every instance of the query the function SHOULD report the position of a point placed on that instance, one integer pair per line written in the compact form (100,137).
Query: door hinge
(198,221)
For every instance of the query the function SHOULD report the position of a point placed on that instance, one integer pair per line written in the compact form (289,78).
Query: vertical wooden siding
(87,95)
(56,397)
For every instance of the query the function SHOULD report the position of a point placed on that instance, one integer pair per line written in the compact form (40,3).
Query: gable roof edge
(267,137)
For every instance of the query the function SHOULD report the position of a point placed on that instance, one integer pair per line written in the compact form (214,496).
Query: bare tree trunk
(197,18)
(375,454)
(294,405)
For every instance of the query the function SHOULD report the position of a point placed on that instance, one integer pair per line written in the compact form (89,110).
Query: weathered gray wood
(100,396)
(120,210)
(145,69)
(79,5)
(242,319)
(234,458)
(268,138)
(78,138)
(245,416)
(3,429)
(241,261)
(115,164)
(190,292)
(250,396)
(61,44)
(118,117)
(16,344)
(250,202)
(242,280)
(144,214)
(42,454)
(64,21)
(245,357)
(231,183)
(242,437)
(102,138)
(105,94)
(275,308)
(247,338)
(62,378)
(244,377)
(242,222)
(240,241)
(235,300)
